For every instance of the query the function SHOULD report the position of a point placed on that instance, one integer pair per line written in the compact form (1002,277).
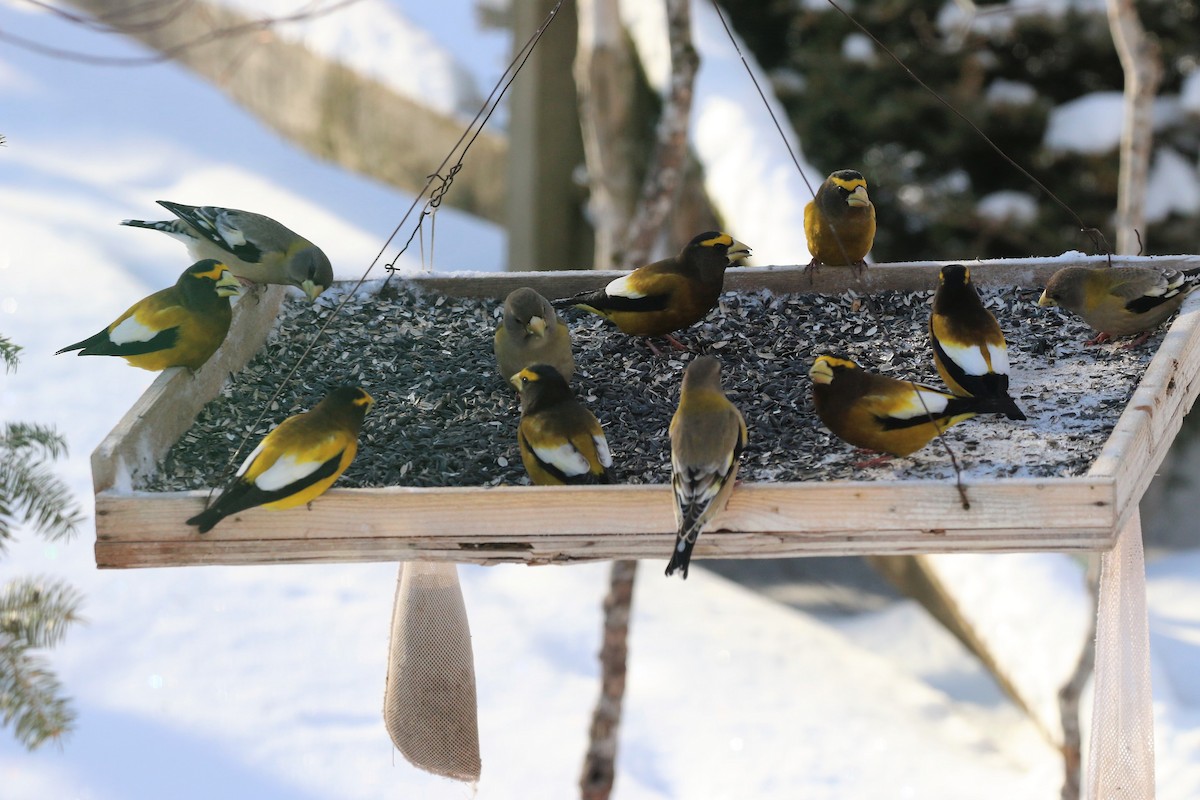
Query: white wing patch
(565,458)
(130,330)
(284,472)
(935,403)
(230,232)
(621,288)
(969,359)
(602,452)
(699,485)
(999,359)
(250,459)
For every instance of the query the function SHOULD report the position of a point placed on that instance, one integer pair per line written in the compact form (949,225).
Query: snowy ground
(267,682)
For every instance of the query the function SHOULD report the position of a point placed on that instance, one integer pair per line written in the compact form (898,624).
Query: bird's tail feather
(206,519)
(1010,409)
(681,555)
(568,302)
(995,405)
(170,227)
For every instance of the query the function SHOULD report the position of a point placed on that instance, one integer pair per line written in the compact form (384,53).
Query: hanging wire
(778,127)
(1095,234)
(436,196)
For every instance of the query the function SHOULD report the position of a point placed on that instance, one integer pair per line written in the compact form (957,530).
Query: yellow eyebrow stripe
(214,273)
(850,185)
(724,239)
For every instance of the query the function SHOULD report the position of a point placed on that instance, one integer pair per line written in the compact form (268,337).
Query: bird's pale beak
(1045,302)
(737,252)
(859,198)
(311,289)
(536,326)
(821,372)
(228,284)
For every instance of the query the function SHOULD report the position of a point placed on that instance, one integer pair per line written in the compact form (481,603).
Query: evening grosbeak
(256,248)
(1120,301)
(879,413)
(180,326)
(531,333)
(839,222)
(708,435)
(969,350)
(561,442)
(297,461)
(668,295)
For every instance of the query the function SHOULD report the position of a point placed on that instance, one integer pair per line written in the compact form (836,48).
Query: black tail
(1009,408)
(206,519)
(681,555)
(573,300)
(997,405)
(86,345)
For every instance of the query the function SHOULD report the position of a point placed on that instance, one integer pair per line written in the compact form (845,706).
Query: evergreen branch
(31,698)
(34,495)
(18,436)
(36,612)
(9,352)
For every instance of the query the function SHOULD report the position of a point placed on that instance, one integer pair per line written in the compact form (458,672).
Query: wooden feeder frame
(1096,512)
(488,525)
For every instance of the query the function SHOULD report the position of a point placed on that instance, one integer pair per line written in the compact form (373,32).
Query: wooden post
(1121,756)
(546,225)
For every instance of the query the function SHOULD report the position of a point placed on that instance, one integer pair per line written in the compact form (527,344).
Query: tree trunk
(319,105)
(606,82)
(599,765)
(661,185)
(1141,60)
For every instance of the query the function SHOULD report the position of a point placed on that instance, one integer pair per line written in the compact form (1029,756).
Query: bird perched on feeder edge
(839,222)
(668,295)
(708,435)
(969,350)
(561,442)
(256,248)
(875,412)
(1120,301)
(180,326)
(531,333)
(297,461)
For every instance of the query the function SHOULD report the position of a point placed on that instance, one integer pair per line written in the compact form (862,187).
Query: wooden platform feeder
(489,525)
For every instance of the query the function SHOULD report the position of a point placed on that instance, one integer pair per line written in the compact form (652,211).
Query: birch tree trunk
(1141,60)
(322,106)
(606,83)
(599,766)
(660,188)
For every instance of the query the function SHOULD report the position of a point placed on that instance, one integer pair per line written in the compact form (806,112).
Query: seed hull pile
(444,417)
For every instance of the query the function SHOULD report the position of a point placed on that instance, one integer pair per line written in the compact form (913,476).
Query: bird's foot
(811,270)
(1099,338)
(675,343)
(859,268)
(1139,341)
(878,460)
